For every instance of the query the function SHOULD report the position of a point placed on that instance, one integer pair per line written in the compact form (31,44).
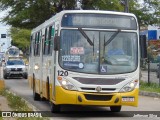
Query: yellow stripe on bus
(71,97)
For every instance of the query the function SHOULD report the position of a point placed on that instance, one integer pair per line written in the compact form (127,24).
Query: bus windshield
(13,51)
(111,52)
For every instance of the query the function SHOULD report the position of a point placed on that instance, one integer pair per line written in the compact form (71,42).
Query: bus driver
(115,50)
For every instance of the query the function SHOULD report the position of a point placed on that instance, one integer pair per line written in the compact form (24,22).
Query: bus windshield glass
(13,52)
(103,21)
(119,55)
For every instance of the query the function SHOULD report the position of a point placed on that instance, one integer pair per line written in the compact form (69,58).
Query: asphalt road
(147,106)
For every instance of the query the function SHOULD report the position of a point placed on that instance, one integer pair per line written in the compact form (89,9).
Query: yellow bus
(72,59)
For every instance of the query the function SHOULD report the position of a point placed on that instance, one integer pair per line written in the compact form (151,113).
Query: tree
(111,5)
(31,13)
(148,13)
(21,38)
(27,14)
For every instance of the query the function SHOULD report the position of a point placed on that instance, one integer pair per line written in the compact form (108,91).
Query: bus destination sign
(104,21)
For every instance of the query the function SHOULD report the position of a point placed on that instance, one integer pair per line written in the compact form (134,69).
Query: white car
(15,68)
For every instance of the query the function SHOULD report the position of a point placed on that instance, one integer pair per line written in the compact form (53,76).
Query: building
(5,38)
(153,32)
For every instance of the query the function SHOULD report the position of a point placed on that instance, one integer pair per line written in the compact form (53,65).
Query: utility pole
(126,9)
(148,71)
(125,3)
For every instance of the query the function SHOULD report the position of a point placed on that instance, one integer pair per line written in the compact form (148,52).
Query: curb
(2,84)
(28,103)
(150,94)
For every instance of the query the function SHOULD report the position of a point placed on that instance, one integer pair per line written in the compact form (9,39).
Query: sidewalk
(5,107)
(153,76)
(4,104)
(153,79)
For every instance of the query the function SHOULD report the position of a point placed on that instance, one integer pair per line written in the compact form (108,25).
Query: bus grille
(98,81)
(98,97)
(103,89)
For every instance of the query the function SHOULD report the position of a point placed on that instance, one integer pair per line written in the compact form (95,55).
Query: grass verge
(18,104)
(152,87)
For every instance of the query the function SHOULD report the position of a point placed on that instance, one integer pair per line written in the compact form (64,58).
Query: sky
(2,14)
(3,30)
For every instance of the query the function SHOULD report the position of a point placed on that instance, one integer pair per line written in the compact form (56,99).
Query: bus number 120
(62,73)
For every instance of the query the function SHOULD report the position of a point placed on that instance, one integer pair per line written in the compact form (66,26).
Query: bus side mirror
(56,43)
(143,46)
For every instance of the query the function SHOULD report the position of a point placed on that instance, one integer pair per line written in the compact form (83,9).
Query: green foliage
(20,38)
(18,104)
(113,5)
(31,13)
(24,15)
(27,14)
(15,102)
(147,13)
(152,87)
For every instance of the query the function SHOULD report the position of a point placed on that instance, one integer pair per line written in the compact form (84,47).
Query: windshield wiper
(93,45)
(85,35)
(112,37)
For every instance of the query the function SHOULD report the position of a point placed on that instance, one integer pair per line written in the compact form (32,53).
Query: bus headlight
(67,85)
(129,87)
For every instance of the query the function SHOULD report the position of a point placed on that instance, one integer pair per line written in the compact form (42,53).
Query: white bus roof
(60,14)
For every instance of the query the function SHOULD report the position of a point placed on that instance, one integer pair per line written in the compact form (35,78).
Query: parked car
(15,68)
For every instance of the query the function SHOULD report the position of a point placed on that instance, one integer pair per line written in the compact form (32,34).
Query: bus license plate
(128,99)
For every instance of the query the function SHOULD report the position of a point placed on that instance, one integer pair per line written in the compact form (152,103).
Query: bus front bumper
(100,99)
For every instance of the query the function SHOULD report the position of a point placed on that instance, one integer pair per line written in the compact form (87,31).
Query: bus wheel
(48,90)
(115,108)
(55,108)
(36,96)
(26,77)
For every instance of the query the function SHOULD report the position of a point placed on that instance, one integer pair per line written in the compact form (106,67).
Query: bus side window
(37,43)
(30,47)
(45,50)
(34,44)
(49,39)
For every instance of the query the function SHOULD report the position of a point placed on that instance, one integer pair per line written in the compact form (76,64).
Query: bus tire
(55,108)
(25,76)
(115,108)
(36,96)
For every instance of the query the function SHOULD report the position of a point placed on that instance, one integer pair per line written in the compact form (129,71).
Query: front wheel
(55,108)
(4,76)
(36,96)
(115,108)
(25,76)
